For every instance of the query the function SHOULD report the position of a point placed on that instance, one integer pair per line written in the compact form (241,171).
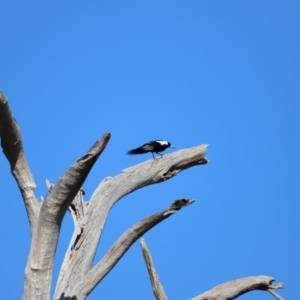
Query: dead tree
(77,276)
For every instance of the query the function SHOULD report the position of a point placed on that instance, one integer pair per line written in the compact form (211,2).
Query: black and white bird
(153,146)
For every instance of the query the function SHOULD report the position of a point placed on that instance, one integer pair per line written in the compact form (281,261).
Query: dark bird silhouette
(153,146)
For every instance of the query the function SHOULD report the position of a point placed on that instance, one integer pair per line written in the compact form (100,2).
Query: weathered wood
(38,273)
(233,289)
(115,253)
(109,191)
(12,145)
(157,287)
(77,209)
(77,278)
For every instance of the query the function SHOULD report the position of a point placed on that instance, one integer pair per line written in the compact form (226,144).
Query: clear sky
(225,73)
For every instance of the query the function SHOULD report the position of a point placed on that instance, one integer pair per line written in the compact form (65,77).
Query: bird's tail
(136,151)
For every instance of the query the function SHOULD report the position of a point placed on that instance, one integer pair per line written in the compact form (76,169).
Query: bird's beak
(172,147)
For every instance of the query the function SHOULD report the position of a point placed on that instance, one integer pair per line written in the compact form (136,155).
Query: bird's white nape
(162,142)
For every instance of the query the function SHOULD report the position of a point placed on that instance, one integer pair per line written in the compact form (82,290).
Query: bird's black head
(170,145)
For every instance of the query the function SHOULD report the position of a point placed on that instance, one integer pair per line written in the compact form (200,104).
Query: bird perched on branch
(153,146)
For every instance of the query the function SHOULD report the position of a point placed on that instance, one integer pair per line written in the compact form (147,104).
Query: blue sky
(191,72)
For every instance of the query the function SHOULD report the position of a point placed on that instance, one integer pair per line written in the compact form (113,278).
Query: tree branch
(39,268)
(157,287)
(233,289)
(11,143)
(276,287)
(119,248)
(109,191)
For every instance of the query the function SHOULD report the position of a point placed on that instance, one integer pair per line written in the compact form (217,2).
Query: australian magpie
(153,146)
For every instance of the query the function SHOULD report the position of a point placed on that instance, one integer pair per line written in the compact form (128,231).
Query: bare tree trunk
(38,273)
(77,277)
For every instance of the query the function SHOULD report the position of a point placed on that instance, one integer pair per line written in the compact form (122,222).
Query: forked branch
(120,247)
(276,286)
(233,289)
(45,236)
(11,143)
